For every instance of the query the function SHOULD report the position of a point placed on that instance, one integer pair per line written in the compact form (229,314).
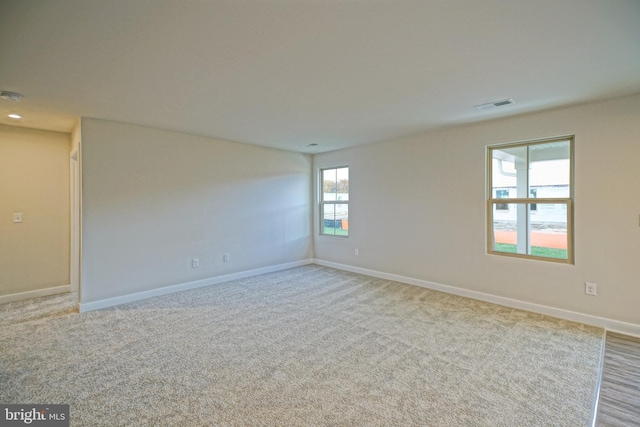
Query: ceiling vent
(11,96)
(495,104)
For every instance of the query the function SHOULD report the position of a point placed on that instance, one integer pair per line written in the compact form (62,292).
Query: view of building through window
(334,203)
(531,199)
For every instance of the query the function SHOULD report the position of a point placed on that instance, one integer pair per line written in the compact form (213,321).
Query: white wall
(75,184)
(417,209)
(34,181)
(152,200)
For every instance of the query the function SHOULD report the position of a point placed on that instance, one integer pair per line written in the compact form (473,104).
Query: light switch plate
(17,217)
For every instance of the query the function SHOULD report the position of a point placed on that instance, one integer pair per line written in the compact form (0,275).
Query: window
(533,193)
(530,199)
(334,201)
(502,194)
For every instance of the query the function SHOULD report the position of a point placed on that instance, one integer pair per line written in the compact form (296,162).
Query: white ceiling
(287,73)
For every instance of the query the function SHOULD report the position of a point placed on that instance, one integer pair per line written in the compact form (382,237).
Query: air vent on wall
(11,96)
(495,104)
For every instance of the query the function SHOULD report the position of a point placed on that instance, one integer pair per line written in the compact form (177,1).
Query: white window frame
(568,202)
(322,203)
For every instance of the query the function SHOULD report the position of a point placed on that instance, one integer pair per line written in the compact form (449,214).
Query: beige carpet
(38,308)
(307,346)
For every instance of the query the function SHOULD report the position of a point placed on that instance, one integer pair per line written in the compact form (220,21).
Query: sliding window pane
(342,184)
(328,218)
(329,184)
(505,228)
(509,172)
(522,230)
(335,219)
(548,230)
(550,169)
(342,220)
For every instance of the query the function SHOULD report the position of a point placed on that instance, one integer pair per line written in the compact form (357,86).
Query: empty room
(320,213)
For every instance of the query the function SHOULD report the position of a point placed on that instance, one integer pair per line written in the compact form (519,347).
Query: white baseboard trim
(110,302)
(35,294)
(608,324)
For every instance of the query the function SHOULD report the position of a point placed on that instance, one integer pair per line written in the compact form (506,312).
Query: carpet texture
(306,346)
(38,308)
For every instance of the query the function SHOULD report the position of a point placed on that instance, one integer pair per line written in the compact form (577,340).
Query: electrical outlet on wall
(590,288)
(195,263)
(225,258)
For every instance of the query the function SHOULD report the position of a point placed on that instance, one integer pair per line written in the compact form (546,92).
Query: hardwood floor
(619,401)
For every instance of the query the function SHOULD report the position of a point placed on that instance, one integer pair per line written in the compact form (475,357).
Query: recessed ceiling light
(15,116)
(495,104)
(313,144)
(11,96)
